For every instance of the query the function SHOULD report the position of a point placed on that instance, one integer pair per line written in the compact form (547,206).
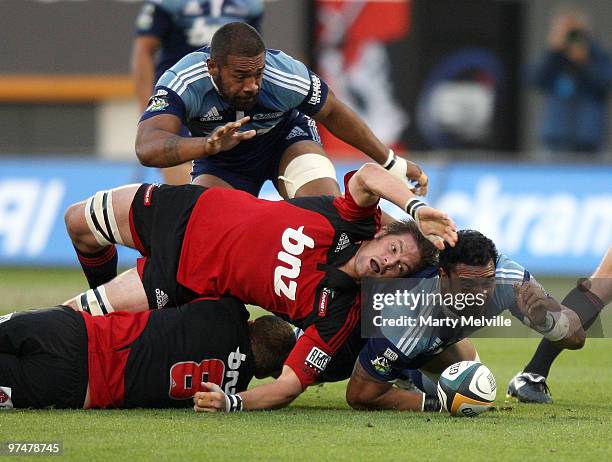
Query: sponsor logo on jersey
(293,241)
(161,298)
(343,242)
(317,359)
(390,355)
(148,193)
(157,103)
(268,115)
(295,132)
(161,92)
(316,90)
(326,295)
(212,115)
(5,398)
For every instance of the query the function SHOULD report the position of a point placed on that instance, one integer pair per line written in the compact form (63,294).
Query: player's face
(239,79)
(388,256)
(474,280)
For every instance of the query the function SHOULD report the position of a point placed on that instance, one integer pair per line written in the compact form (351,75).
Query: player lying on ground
(587,300)
(301,259)
(259,101)
(473,266)
(67,359)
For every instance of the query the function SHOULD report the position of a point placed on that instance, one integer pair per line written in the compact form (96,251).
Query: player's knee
(74,220)
(304,169)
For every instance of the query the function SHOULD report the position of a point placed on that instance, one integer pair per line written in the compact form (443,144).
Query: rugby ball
(467,389)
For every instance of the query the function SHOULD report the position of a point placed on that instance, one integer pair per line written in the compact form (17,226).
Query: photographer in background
(575,74)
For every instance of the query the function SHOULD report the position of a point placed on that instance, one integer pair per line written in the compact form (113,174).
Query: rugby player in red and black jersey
(66,359)
(301,259)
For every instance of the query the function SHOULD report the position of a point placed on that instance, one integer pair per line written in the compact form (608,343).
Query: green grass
(319,425)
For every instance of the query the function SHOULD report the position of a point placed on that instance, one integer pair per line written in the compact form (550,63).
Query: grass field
(320,426)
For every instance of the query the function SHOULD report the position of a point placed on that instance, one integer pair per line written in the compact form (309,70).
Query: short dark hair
(271,341)
(472,248)
(427,251)
(236,39)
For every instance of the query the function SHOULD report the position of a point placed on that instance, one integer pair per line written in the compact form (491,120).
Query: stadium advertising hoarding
(553,220)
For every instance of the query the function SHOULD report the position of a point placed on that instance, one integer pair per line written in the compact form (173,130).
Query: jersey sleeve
(349,210)
(153,19)
(380,358)
(164,101)
(174,92)
(324,338)
(508,274)
(316,97)
(288,84)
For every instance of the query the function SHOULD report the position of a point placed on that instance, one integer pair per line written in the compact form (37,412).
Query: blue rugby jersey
(188,91)
(184,26)
(410,348)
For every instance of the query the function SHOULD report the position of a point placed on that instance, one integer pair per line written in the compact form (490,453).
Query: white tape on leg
(304,169)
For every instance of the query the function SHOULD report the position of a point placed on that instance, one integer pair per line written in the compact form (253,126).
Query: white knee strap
(100,218)
(95,302)
(304,169)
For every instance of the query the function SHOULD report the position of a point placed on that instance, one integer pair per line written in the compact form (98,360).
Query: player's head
(469,267)
(398,250)
(271,341)
(236,64)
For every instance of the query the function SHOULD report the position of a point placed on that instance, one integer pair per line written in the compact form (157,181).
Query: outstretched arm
(545,315)
(346,125)
(273,395)
(372,182)
(159,145)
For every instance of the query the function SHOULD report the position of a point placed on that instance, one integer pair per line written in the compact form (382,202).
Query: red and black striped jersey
(159,358)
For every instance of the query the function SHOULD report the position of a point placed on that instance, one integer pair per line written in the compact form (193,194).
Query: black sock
(99,267)
(587,306)
(543,358)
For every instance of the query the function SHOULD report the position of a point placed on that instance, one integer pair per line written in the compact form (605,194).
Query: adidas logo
(343,242)
(295,132)
(161,298)
(212,115)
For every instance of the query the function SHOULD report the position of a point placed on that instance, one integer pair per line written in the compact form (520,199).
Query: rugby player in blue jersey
(473,266)
(249,111)
(169,29)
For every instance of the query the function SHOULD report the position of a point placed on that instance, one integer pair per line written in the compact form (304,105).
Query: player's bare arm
(143,66)
(273,395)
(372,182)
(555,322)
(159,145)
(346,125)
(366,392)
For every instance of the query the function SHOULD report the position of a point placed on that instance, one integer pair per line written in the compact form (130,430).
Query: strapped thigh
(100,218)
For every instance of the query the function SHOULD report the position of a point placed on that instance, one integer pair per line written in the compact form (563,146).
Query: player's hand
(436,226)
(212,399)
(227,136)
(416,174)
(533,302)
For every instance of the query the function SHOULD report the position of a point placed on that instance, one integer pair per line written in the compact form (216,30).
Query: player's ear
(213,69)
